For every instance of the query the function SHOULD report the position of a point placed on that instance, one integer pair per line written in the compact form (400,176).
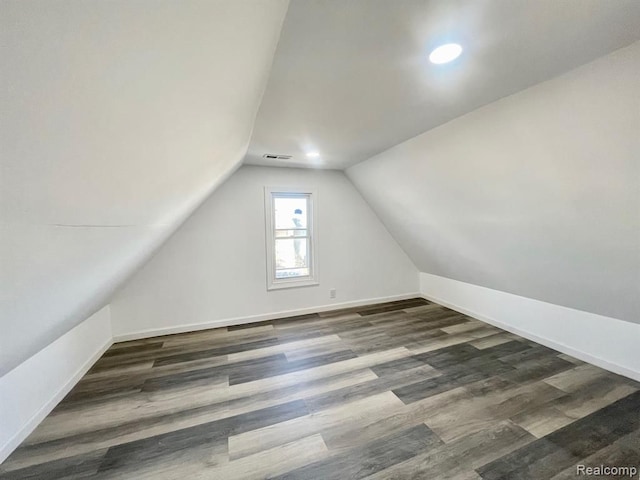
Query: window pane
(291,212)
(292,233)
(291,253)
(292,273)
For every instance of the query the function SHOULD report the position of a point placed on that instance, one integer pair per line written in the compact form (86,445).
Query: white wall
(118,119)
(604,341)
(29,392)
(214,269)
(536,194)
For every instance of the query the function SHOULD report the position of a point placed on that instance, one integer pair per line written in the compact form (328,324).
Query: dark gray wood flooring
(406,389)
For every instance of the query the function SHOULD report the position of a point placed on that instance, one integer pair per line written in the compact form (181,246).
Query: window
(291,240)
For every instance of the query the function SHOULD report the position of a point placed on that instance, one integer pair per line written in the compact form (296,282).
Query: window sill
(280,284)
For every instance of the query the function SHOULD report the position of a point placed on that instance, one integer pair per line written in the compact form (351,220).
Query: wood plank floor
(405,389)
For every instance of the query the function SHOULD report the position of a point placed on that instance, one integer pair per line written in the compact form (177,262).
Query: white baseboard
(603,341)
(155,332)
(607,342)
(26,391)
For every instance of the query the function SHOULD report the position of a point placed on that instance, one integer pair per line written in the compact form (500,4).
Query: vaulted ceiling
(120,117)
(351,79)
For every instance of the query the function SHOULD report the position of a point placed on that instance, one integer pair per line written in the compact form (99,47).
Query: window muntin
(290,240)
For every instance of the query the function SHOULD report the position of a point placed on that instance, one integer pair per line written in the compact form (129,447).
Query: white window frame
(270,193)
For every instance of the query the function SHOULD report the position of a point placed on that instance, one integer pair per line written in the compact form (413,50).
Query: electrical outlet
(332,293)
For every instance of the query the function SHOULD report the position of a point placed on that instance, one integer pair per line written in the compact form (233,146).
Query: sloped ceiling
(351,79)
(118,119)
(536,194)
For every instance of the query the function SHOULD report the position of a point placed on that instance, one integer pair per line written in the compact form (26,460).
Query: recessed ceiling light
(313,154)
(445,53)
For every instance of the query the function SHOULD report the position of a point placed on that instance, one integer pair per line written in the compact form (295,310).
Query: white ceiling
(351,79)
(118,119)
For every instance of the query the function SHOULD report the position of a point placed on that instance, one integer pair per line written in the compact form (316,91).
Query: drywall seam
(179,159)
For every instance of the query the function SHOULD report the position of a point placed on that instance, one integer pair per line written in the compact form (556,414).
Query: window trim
(274,283)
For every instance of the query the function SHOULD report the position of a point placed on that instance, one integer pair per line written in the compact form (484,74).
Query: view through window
(290,237)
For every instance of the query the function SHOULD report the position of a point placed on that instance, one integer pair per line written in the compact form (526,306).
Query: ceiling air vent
(273,156)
